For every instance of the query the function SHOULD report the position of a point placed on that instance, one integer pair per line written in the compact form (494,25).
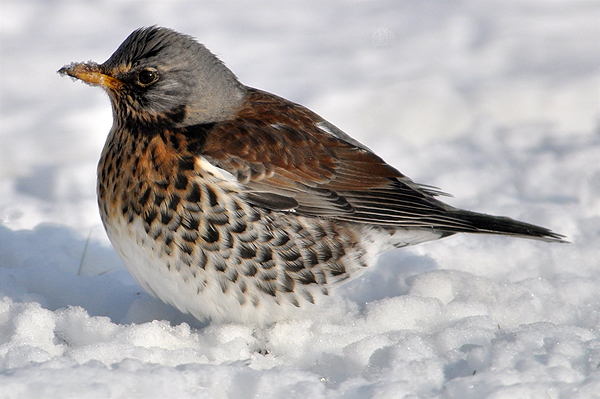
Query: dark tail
(506,226)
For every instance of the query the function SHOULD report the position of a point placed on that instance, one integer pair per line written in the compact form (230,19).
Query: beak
(92,74)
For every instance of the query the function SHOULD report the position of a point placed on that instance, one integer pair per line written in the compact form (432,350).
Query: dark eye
(147,76)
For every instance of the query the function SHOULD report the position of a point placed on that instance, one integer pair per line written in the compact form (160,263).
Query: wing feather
(290,159)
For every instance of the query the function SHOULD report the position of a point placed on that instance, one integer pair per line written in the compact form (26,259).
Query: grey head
(157,73)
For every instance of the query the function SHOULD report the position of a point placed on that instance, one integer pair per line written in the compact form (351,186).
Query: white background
(495,102)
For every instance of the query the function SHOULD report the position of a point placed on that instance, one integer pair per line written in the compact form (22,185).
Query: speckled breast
(185,232)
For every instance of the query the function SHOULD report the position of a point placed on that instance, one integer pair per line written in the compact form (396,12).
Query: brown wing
(289,158)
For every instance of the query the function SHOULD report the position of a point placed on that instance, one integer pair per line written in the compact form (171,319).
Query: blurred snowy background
(496,102)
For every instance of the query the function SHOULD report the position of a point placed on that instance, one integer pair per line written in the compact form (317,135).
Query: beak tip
(63,71)
(69,70)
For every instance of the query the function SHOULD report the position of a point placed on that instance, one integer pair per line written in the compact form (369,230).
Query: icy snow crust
(496,102)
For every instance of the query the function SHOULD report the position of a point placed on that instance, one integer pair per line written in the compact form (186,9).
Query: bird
(239,206)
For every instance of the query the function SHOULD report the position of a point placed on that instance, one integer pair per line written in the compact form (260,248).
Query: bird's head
(159,75)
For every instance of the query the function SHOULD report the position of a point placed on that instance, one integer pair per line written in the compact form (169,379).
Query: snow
(496,102)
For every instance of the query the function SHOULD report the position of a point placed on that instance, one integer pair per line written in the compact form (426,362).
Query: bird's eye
(147,76)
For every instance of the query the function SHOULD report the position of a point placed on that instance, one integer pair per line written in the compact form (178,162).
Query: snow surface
(496,102)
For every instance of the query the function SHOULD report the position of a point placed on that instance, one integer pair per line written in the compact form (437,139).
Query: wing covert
(281,154)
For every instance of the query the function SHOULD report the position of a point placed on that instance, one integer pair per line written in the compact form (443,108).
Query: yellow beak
(90,73)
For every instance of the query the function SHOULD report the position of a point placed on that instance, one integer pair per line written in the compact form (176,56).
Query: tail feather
(506,226)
